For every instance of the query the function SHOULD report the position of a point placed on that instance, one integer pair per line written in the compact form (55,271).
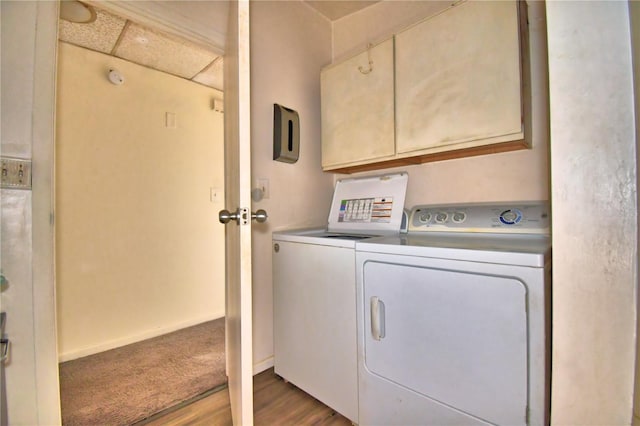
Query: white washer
(314,289)
(453,318)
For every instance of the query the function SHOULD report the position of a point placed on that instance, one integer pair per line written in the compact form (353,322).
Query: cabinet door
(458,80)
(357,108)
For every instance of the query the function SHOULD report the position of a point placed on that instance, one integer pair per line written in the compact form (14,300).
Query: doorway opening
(140,267)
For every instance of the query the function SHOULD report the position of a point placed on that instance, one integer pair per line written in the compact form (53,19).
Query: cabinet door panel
(358,109)
(458,81)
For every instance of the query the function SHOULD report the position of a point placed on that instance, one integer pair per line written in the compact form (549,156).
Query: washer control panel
(527,217)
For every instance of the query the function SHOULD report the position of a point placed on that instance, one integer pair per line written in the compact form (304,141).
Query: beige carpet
(128,384)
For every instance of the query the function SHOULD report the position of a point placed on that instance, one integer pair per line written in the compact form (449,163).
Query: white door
(238,200)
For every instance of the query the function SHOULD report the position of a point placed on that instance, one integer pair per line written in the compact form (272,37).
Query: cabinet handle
(377,318)
(361,68)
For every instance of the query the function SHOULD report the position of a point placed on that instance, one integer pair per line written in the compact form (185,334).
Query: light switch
(170,120)
(16,173)
(263,185)
(215,195)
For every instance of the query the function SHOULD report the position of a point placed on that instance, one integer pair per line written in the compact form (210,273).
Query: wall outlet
(16,173)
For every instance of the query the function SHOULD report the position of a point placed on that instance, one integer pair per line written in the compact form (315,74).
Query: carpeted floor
(125,385)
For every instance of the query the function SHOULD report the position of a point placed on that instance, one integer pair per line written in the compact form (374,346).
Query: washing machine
(453,318)
(314,289)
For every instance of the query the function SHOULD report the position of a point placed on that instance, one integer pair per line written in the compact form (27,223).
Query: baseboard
(149,334)
(262,365)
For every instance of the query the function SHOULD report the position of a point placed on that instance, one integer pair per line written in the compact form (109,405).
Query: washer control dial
(511,217)
(441,217)
(424,217)
(459,217)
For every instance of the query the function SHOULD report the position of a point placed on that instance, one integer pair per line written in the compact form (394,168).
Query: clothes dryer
(453,318)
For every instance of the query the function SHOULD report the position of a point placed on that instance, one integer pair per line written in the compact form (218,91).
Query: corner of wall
(634,22)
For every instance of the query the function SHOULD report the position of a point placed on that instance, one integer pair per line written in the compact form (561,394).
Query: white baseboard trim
(259,367)
(149,334)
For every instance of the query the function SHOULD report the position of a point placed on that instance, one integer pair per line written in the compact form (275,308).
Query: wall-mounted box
(286,134)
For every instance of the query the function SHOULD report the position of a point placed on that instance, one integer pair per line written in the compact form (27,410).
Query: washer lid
(371,204)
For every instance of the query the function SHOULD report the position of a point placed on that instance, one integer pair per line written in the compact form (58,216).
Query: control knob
(459,217)
(441,217)
(424,217)
(511,217)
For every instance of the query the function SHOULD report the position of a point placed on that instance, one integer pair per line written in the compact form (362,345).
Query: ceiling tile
(100,35)
(162,52)
(212,76)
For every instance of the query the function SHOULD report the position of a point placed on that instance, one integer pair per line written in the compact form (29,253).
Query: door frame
(43,151)
(43,240)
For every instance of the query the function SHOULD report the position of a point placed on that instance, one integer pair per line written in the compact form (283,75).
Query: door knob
(224,216)
(260,216)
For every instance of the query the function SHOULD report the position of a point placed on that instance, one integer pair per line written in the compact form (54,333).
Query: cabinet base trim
(436,156)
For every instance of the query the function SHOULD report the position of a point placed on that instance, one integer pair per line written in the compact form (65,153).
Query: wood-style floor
(275,402)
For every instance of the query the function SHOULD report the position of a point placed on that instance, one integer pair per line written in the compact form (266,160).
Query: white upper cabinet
(454,85)
(357,108)
(458,79)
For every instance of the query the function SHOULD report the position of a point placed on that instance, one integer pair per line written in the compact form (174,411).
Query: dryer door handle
(377,318)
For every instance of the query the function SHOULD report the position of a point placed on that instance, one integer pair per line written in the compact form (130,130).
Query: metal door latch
(224,216)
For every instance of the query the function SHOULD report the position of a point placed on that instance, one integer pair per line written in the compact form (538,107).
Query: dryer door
(458,338)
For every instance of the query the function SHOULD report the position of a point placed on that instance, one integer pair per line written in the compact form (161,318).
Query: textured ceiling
(120,37)
(125,39)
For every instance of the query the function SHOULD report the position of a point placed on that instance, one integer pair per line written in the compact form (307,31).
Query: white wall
(518,175)
(139,250)
(594,181)
(290,42)
(28,32)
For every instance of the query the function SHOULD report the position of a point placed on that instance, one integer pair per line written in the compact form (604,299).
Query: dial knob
(424,217)
(441,217)
(459,217)
(511,216)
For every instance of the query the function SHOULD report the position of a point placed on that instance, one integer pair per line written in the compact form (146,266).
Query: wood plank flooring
(275,403)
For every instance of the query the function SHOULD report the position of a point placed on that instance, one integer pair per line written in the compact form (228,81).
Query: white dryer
(453,318)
